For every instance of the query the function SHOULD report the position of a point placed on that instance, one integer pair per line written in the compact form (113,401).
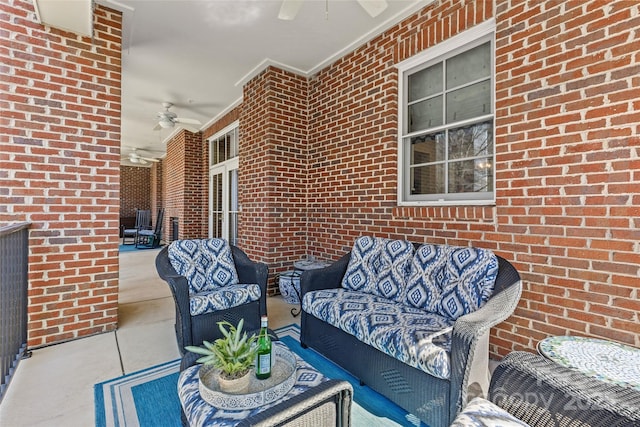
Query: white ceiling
(198,54)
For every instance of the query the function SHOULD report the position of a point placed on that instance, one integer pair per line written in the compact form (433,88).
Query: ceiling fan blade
(157,127)
(149,159)
(187,121)
(289,9)
(373,7)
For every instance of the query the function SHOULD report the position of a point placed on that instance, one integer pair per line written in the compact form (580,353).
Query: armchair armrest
(329,277)
(251,272)
(543,393)
(469,328)
(180,290)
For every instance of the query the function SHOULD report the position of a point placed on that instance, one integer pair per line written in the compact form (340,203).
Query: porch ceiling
(198,54)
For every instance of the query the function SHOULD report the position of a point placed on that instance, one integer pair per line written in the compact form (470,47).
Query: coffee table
(314,400)
(605,360)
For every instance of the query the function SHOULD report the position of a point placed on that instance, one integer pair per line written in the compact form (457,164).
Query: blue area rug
(148,398)
(132,248)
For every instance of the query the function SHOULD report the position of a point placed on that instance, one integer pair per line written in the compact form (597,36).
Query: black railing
(14,258)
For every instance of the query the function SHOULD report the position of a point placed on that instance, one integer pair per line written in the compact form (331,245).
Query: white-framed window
(446,135)
(224,208)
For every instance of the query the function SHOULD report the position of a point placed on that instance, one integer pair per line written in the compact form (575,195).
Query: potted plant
(233,354)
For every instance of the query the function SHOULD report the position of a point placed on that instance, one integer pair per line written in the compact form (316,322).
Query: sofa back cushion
(450,280)
(427,277)
(379,267)
(206,263)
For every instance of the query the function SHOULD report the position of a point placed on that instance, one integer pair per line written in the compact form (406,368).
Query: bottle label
(264,363)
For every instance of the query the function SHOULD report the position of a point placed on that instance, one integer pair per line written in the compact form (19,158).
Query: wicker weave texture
(542,393)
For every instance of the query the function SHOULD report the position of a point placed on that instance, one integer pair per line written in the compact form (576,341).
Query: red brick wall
(60,155)
(135,190)
(567,144)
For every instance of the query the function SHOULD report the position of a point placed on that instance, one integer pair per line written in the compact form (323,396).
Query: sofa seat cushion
(223,298)
(379,267)
(413,336)
(483,413)
(451,281)
(206,263)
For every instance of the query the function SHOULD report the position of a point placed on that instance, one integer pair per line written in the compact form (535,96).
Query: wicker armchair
(542,393)
(193,329)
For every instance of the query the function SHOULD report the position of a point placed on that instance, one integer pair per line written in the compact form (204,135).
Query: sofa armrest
(469,328)
(542,393)
(329,277)
(251,272)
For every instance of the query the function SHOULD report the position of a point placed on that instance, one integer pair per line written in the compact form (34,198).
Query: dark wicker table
(605,360)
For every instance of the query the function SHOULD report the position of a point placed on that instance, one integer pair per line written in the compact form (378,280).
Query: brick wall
(569,167)
(135,190)
(60,155)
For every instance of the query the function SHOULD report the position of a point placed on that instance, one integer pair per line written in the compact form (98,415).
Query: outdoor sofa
(410,321)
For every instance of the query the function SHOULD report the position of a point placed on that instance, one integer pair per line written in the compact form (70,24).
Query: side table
(290,281)
(607,361)
(314,400)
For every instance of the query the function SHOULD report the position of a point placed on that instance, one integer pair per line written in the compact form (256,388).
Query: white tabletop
(606,360)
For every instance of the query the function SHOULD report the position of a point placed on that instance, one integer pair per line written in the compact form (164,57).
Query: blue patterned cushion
(413,336)
(206,263)
(379,267)
(223,298)
(471,277)
(427,276)
(451,280)
(482,413)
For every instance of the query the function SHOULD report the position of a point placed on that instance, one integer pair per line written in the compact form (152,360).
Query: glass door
(223,201)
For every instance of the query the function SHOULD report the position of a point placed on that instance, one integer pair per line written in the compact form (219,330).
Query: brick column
(186,182)
(273,165)
(60,155)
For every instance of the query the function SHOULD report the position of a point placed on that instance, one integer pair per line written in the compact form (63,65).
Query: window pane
(427,179)
(469,102)
(471,176)
(471,141)
(427,148)
(469,66)
(425,83)
(425,114)
(234,143)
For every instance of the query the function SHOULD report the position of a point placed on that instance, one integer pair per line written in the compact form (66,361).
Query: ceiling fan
(168,119)
(134,157)
(290,8)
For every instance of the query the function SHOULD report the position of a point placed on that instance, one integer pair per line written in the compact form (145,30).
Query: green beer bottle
(263,359)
